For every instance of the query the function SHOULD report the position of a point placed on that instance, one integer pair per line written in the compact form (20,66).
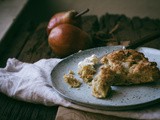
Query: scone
(123,67)
(130,67)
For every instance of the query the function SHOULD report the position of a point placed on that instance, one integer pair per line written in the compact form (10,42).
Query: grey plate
(122,97)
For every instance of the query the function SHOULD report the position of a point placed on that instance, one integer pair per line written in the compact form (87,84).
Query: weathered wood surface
(30,45)
(72,114)
(36,46)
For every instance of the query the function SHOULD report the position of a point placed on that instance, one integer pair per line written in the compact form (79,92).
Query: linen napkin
(32,83)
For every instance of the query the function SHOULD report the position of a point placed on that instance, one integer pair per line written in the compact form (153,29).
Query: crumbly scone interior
(101,84)
(86,68)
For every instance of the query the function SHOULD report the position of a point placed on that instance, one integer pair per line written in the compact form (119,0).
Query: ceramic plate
(121,98)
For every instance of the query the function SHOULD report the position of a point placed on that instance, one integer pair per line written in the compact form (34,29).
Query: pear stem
(81,13)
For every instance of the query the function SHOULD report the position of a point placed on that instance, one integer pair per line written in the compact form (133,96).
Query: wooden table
(29,44)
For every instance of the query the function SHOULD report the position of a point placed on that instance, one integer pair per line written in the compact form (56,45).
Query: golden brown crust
(131,67)
(123,56)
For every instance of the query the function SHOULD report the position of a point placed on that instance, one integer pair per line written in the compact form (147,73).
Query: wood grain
(36,47)
(72,114)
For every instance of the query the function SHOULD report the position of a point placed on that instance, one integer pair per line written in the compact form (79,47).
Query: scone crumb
(71,80)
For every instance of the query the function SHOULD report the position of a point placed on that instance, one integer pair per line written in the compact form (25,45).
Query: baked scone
(123,67)
(130,67)
(86,68)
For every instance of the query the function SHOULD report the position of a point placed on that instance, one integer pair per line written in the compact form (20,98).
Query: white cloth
(32,83)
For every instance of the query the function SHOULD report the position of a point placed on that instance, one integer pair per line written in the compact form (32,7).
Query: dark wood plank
(11,109)
(36,47)
(13,48)
(146,26)
(72,114)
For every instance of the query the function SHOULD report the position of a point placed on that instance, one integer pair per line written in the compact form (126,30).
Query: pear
(67,17)
(66,39)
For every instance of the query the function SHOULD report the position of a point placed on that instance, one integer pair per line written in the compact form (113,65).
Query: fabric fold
(30,82)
